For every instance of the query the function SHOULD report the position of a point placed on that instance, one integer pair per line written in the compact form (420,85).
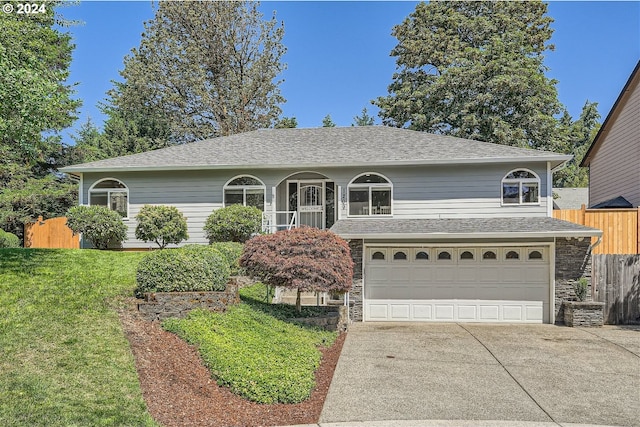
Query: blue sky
(338,53)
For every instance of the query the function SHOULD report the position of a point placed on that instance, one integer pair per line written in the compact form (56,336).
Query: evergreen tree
(286,122)
(474,69)
(578,139)
(327,122)
(364,119)
(201,71)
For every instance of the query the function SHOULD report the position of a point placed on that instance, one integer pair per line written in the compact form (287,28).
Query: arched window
(377,255)
(400,256)
(444,255)
(512,255)
(466,255)
(244,190)
(520,187)
(535,255)
(422,255)
(369,194)
(111,193)
(489,255)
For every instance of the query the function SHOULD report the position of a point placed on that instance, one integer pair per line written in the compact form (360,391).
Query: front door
(311,204)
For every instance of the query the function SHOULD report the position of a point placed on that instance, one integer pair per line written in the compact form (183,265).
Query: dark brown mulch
(179,390)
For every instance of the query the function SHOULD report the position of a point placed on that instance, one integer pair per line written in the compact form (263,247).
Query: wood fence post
(638,225)
(583,214)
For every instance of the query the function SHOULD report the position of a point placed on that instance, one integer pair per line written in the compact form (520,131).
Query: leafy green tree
(100,225)
(286,122)
(207,70)
(34,95)
(35,105)
(327,122)
(474,69)
(162,225)
(577,139)
(364,119)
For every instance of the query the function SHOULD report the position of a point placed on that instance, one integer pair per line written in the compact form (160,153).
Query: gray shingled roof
(571,198)
(349,146)
(477,228)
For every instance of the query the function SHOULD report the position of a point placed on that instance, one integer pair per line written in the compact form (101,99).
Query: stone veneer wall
(163,305)
(333,319)
(355,294)
(583,313)
(573,261)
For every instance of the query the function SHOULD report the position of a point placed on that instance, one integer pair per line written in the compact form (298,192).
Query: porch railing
(279,220)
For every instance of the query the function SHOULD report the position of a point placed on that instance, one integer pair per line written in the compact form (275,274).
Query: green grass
(253,352)
(64,360)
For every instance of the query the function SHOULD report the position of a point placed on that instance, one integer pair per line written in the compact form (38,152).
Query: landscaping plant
(9,240)
(254,354)
(581,288)
(235,223)
(305,259)
(100,225)
(161,224)
(187,269)
(232,251)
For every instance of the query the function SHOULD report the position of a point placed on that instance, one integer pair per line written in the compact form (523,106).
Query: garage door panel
(474,290)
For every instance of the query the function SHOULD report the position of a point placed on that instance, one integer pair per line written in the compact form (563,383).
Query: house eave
(471,236)
(554,160)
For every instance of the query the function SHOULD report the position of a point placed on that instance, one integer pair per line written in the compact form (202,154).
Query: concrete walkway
(392,374)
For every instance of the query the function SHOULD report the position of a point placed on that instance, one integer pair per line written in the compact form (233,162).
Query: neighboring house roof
(459,228)
(321,147)
(571,198)
(634,80)
(616,202)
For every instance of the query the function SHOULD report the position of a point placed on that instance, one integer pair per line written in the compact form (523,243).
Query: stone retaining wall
(334,319)
(583,313)
(163,305)
(573,261)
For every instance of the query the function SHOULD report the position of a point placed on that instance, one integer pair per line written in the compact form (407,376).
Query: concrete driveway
(538,373)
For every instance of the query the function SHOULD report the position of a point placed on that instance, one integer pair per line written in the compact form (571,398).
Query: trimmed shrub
(161,224)
(232,251)
(306,259)
(100,225)
(235,223)
(187,269)
(10,240)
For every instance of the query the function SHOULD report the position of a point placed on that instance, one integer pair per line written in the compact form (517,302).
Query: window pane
(529,193)
(359,201)
(510,193)
(535,255)
(233,197)
(520,174)
(489,255)
(466,255)
(444,255)
(378,255)
(512,255)
(400,255)
(381,201)
(370,179)
(98,199)
(119,203)
(109,183)
(255,198)
(422,255)
(245,180)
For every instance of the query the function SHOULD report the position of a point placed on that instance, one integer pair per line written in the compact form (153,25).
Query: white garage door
(466,284)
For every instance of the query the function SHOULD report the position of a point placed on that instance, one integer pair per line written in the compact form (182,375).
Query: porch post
(274,216)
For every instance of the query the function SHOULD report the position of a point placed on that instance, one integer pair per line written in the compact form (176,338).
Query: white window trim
(520,181)
(92,189)
(244,190)
(388,185)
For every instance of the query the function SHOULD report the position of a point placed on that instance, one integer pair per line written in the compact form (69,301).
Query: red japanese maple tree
(306,259)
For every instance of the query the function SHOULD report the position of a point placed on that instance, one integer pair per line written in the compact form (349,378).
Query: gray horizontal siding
(418,192)
(614,168)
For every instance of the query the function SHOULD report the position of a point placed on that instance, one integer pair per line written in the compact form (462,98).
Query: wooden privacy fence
(616,283)
(52,233)
(620,227)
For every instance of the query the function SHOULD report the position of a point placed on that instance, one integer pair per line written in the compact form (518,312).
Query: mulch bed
(179,390)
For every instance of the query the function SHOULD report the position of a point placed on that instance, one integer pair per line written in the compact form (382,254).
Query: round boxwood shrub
(10,240)
(98,224)
(187,269)
(161,224)
(235,223)
(232,251)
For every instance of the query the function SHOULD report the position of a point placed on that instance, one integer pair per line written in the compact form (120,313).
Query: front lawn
(64,359)
(255,353)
